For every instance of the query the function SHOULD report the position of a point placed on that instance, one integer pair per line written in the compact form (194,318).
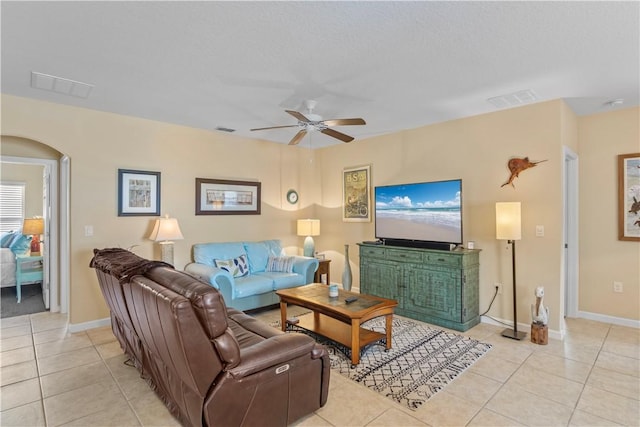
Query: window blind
(11,205)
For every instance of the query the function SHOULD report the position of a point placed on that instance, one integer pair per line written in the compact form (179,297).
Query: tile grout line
(115,380)
(35,359)
(575,407)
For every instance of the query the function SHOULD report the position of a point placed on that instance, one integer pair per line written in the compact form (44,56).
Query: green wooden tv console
(434,286)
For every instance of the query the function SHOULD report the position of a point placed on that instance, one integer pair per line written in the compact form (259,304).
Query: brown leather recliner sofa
(210,364)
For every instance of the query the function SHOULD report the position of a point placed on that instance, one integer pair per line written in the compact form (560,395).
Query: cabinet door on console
(471,293)
(434,292)
(380,278)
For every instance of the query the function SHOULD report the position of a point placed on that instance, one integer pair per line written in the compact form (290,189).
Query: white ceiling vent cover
(514,99)
(60,85)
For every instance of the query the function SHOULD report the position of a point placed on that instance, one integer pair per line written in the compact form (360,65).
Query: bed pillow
(237,267)
(20,246)
(282,264)
(6,239)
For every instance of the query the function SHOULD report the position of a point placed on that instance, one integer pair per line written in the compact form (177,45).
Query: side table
(28,270)
(323,268)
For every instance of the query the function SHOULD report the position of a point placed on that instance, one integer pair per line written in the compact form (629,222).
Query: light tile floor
(50,377)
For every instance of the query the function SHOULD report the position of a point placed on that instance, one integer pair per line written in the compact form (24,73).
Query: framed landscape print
(629,197)
(356,194)
(138,193)
(222,197)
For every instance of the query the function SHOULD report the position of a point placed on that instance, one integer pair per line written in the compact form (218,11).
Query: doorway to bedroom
(47,199)
(24,194)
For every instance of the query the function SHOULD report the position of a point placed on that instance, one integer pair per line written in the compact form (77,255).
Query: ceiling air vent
(60,85)
(224,129)
(513,99)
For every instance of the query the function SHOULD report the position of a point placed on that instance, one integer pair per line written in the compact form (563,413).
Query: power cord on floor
(488,309)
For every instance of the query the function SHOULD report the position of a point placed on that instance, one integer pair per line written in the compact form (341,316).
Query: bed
(7,268)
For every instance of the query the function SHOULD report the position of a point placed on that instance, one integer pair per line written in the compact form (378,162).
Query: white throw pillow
(283,264)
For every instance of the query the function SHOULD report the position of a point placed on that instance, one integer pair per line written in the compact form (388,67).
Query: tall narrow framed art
(629,197)
(356,194)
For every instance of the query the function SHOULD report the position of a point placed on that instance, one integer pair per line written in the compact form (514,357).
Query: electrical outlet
(617,287)
(499,286)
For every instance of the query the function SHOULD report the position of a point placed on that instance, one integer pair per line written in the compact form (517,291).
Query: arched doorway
(55,190)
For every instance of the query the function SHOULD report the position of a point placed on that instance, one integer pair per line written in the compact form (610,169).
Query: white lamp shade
(308,227)
(166,229)
(508,226)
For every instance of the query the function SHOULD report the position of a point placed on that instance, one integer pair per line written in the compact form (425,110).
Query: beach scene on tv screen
(425,211)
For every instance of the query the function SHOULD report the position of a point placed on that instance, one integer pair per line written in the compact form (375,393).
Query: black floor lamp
(508,227)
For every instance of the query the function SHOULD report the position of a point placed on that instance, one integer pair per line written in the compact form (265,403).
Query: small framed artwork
(356,194)
(629,197)
(223,197)
(138,193)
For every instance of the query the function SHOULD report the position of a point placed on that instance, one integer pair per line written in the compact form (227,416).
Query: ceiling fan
(309,122)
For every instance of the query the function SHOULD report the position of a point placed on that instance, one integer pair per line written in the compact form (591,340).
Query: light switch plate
(539,230)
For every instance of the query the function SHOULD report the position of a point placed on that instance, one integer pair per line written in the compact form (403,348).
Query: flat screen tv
(425,214)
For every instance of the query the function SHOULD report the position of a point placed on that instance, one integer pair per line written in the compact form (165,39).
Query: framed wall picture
(138,193)
(629,197)
(356,194)
(223,197)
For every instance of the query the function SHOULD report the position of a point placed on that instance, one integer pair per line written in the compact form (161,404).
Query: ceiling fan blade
(276,127)
(339,135)
(344,122)
(298,115)
(296,139)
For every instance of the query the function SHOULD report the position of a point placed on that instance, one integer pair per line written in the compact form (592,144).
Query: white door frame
(570,232)
(57,234)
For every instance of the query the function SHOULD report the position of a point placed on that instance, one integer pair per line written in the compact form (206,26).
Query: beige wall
(31,175)
(475,149)
(603,258)
(99,143)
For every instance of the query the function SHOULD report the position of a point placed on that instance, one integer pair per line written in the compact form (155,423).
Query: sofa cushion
(282,280)
(283,264)
(258,253)
(275,247)
(205,253)
(254,284)
(238,267)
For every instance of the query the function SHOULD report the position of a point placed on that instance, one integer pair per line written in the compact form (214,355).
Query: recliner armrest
(272,352)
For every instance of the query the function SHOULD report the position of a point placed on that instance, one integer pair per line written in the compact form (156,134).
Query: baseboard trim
(79,327)
(620,321)
(554,334)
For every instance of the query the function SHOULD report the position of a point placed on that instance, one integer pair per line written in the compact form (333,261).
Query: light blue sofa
(258,287)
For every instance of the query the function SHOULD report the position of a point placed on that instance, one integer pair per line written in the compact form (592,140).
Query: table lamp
(34,227)
(165,231)
(508,227)
(308,228)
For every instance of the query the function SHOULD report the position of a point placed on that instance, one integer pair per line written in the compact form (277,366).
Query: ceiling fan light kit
(310,122)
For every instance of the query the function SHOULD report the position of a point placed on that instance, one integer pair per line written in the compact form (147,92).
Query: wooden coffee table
(335,319)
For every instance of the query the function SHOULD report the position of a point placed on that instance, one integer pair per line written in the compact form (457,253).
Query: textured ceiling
(398,65)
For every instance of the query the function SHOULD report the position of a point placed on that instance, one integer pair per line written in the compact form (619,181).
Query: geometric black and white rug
(421,362)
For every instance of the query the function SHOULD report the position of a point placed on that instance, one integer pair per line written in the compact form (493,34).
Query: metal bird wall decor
(517,165)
